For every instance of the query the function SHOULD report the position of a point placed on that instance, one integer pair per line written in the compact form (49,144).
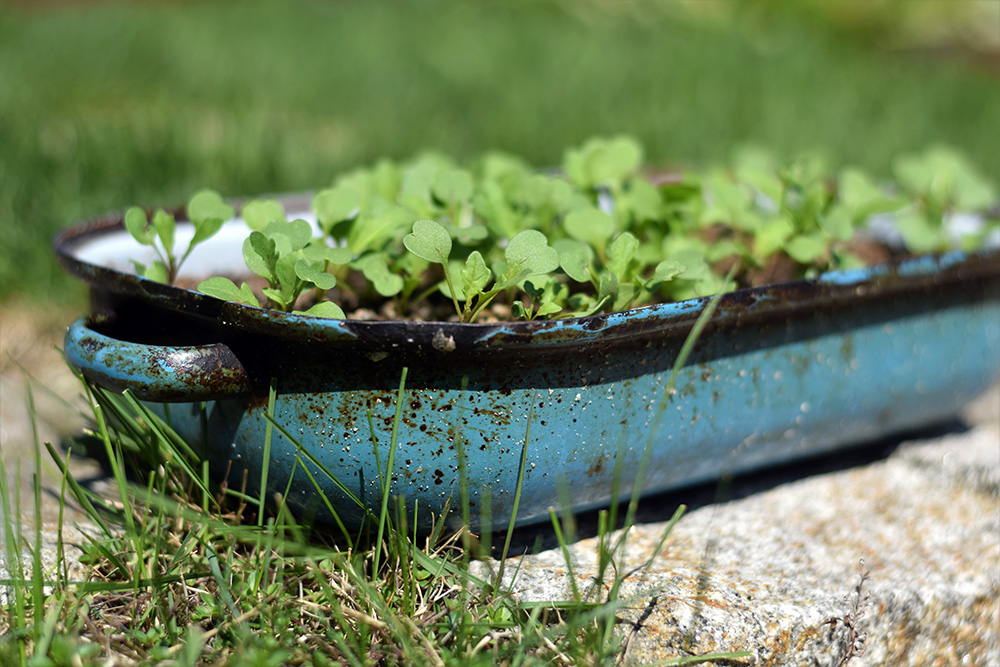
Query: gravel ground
(30,339)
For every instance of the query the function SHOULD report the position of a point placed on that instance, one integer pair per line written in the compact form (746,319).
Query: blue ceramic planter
(780,373)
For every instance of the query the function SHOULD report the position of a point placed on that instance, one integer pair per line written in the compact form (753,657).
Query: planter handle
(164,374)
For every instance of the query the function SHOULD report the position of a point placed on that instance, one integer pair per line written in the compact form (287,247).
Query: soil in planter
(780,268)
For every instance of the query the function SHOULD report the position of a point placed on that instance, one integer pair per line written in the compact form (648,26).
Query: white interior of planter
(883,228)
(221,255)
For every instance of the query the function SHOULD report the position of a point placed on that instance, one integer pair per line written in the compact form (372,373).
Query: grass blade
(668,392)
(566,555)
(387,478)
(37,573)
(85,497)
(517,490)
(266,459)
(312,458)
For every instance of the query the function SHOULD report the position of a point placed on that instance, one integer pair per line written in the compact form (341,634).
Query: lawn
(106,105)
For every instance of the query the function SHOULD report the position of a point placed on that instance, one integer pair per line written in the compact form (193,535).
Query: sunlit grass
(173,577)
(181,568)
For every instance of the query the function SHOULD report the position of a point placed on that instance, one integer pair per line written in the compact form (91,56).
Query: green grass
(183,569)
(108,105)
(177,574)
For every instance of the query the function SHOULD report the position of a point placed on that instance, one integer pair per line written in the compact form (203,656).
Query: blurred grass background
(108,104)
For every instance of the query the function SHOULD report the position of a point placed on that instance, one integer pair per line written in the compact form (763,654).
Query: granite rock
(775,572)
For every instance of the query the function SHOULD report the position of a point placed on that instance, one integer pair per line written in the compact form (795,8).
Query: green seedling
(284,255)
(527,254)
(545,297)
(261,212)
(621,282)
(603,162)
(941,183)
(596,237)
(207,212)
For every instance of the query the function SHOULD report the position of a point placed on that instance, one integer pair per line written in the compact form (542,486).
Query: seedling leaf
(276,296)
(608,287)
(204,230)
(317,252)
(590,225)
(723,249)
(260,212)
(862,196)
(226,289)
(287,277)
(491,203)
(335,205)
(289,236)
(156,271)
(758,167)
(208,204)
(665,271)
(771,237)
(376,270)
(429,240)
(469,236)
(535,287)
(548,308)
(452,186)
(693,261)
(624,296)
(326,309)
(371,231)
(642,200)
(837,223)
(575,258)
(528,254)
(806,248)
(137,226)
(919,235)
(475,275)
(621,252)
(163,222)
(603,161)
(307,271)
(260,255)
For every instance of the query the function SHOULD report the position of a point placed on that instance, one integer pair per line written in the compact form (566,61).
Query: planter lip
(902,274)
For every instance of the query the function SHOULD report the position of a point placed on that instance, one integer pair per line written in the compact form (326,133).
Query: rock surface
(775,571)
